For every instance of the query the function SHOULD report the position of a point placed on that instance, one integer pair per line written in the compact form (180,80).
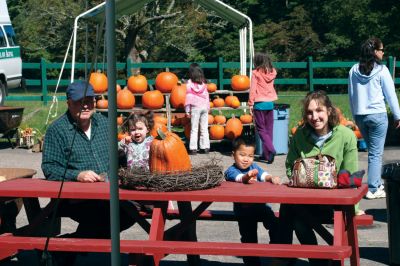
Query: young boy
(244,170)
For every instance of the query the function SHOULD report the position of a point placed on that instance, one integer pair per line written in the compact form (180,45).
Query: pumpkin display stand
(200,177)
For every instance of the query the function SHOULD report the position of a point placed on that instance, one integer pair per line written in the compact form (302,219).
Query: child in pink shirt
(197,105)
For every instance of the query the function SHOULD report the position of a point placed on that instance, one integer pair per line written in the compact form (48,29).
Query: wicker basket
(201,177)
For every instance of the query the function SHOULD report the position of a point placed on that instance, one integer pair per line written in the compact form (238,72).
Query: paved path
(373,240)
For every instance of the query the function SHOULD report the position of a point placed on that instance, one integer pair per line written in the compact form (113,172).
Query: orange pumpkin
(178,96)
(246,118)
(219,119)
(186,130)
(137,84)
(228,100)
(211,104)
(102,103)
(211,87)
(122,135)
(158,126)
(235,103)
(184,120)
(99,82)
(168,154)
(210,119)
(233,128)
(160,119)
(125,99)
(166,81)
(217,132)
(153,99)
(120,120)
(218,102)
(240,82)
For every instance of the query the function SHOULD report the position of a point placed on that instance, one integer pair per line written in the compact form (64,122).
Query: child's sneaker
(379,193)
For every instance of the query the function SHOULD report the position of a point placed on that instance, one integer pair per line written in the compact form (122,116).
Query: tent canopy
(126,7)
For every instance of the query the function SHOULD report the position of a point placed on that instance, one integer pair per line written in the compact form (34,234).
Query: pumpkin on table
(125,99)
(137,84)
(217,132)
(168,154)
(211,87)
(99,82)
(178,96)
(102,103)
(153,99)
(240,82)
(233,128)
(166,81)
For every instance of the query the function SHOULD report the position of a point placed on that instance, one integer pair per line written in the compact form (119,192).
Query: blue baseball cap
(76,90)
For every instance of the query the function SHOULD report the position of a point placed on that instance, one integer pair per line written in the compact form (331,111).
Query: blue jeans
(373,128)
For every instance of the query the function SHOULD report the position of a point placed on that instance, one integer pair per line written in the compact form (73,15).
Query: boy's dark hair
(248,141)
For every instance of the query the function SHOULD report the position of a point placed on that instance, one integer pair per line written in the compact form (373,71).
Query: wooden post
(43,71)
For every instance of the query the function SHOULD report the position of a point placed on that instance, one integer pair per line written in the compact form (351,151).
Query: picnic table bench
(181,238)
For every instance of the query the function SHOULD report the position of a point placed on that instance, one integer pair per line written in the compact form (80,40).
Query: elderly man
(76,149)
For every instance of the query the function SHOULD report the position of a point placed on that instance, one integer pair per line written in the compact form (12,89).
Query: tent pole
(112,121)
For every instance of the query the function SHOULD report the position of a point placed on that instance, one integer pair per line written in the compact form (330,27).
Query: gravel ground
(373,240)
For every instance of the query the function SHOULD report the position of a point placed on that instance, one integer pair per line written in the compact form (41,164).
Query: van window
(10,35)
(3,42)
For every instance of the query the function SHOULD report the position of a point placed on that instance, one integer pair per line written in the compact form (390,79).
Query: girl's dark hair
(263,62)
(196,74)
(246,141)
(321,98)
(368,57)
(144,117)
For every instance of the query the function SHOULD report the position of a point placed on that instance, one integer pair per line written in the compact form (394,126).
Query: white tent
(125,7)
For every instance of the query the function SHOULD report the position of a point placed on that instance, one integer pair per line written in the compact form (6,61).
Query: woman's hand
(250,177)
(251,110)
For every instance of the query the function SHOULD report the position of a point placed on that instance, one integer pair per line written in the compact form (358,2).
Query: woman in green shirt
(323,134)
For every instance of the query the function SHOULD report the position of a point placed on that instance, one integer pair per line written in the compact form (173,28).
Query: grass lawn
(36,114)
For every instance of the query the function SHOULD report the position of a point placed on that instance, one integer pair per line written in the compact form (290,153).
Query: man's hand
(89,177)
(250,177)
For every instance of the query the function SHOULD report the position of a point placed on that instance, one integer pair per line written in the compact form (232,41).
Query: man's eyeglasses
(383,50)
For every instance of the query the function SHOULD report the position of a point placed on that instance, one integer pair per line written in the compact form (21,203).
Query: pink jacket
(196,95)
(262,87)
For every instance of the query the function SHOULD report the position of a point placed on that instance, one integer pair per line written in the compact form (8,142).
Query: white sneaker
(379,193)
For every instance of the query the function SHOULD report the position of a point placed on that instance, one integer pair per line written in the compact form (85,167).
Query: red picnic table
(181,238)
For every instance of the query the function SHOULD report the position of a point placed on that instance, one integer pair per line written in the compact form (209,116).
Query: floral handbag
(314,172)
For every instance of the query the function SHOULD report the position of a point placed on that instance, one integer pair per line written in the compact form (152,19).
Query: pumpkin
(158,126)
(120,120)
(211,105)
(153,99)
(217,132)
(166,81)
(178,96)
(125,99)
(122,135)
(235,103)
(160,119)
(246,118)
(137,84)
(118,88)
(229,99)
(186,130)
(218,102)
(168,154)
(98,81)
(210,119)
(233,128)
(102,103)
(240,82)
(219,119)
(184,120)
(211,87)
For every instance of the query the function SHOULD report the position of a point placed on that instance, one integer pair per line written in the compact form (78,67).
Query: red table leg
(352,235)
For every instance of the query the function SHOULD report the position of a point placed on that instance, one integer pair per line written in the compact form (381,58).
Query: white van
(10,55)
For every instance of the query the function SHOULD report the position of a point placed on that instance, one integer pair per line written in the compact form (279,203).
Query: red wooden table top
(227,192)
